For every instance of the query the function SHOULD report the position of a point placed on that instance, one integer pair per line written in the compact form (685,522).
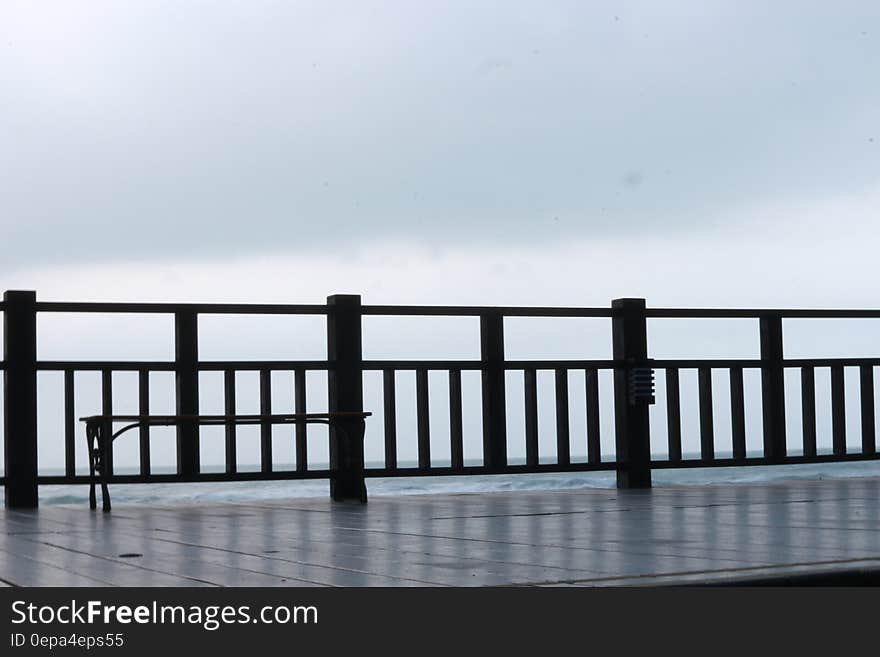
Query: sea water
(186,493)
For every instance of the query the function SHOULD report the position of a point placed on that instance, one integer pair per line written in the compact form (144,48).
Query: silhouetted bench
(100,436)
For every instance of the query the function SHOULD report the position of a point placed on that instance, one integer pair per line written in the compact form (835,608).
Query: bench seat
(100,435)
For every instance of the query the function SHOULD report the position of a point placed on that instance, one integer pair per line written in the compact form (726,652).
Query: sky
(696,153)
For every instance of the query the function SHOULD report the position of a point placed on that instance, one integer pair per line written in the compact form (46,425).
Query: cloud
(787,254)
(163,132)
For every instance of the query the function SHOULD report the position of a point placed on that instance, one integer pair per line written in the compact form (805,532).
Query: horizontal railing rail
(167,366)
(477,311)
(623,417)
(171,308)
(452,311)
(757,313)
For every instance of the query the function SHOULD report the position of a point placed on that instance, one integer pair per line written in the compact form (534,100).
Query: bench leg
(105,497)
(106,434)
(359,440)
(99,453)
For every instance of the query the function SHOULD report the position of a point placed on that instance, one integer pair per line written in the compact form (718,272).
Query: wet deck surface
(581,538)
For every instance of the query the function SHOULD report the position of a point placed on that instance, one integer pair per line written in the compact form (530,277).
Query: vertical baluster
(530,385)
(838,411)
(737,413)
(808,410)
(455,423)
(707,430)
(107,409)
(563,448)
(591,387)
(69,425)
(144,429)
(673,414)
(866,394)
(265,425)
(424,427)
(229,409)
(299,407)
(389,397)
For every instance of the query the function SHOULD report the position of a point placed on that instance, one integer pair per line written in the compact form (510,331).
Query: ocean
(186,493)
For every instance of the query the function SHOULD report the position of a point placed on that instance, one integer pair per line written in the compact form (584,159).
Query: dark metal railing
(631,367)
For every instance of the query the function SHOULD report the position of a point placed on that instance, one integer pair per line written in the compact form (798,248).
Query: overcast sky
(149,134)
(553,153)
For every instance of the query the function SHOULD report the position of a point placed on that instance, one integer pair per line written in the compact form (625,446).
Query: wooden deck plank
(105,571)
(573,537)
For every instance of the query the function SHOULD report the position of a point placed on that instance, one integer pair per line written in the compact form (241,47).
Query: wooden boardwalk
(584,537)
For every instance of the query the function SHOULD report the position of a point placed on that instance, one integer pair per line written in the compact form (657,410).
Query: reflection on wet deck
(584,537)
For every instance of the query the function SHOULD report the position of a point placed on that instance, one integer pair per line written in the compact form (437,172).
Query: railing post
(20,398)
(186,380)
(631,420)
(345,393)
(494,404)
(772,387)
